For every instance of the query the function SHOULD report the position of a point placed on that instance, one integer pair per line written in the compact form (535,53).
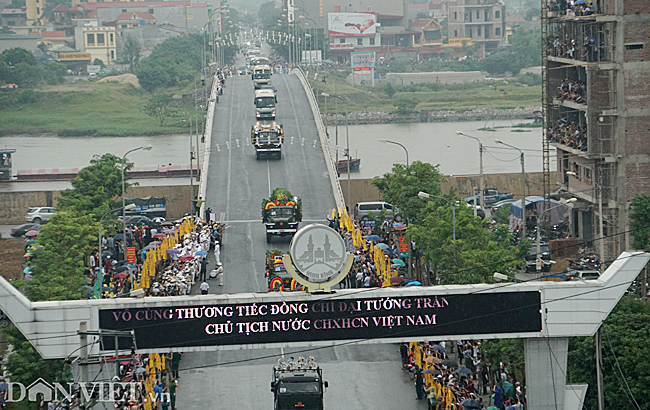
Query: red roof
(52,34)
(12,11)
(139,15)
(517,19)
(418,6)
(420,23)
(61,8)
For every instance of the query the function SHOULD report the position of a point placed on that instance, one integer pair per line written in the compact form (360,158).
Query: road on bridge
(360,376)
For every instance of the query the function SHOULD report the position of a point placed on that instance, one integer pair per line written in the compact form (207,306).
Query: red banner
(130,255)
(403,244)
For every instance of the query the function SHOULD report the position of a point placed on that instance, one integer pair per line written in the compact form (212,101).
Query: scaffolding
(546,148)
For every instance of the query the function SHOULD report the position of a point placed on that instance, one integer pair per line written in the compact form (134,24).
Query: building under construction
(597,113)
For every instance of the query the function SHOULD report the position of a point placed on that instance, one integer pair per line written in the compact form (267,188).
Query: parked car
(505,202)
(491,196)
(584,274)
(39,214)
(21,230)
(362,211)
(133,220)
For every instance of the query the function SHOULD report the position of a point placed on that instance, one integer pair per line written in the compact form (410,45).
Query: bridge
(359,366)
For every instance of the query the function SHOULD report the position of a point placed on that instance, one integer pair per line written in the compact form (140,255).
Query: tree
(158,106)
(51,5)
(405,105)
(95,187)
(389,90)
(527,46)
(17,55)
(401,186)
(132,51)
(640,221)
(99,62)
(53,73)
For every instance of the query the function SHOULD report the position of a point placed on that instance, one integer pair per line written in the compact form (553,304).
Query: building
(598,115)
(54,38)
(13,17)
(482,21)
(100,42)
(28,42)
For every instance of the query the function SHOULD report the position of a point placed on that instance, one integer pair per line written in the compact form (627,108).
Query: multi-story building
(481,21)
(100,42)
(598,114)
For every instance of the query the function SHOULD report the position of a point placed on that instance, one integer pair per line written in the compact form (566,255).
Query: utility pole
(83,354)
(599,370)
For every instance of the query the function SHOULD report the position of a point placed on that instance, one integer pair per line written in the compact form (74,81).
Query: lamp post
(396,143)
(424,195)
(480,154)
(523,188)
(128,208)
(538,264)
(147,148)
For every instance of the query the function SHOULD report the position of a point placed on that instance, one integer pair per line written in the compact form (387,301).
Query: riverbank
(476,114)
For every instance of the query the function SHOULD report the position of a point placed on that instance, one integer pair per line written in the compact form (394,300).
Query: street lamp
(538,264)
(396,143)
(424,195)
(480,154)
(128,208)
(523,188)
(147,148)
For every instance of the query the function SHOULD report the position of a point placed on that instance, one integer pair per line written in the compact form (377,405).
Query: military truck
(265,101)
(281,214)
(267,138)
(298,384)
(278,278)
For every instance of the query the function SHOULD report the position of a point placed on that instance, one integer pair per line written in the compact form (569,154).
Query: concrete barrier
(320,126)
(207,134)
(442,77)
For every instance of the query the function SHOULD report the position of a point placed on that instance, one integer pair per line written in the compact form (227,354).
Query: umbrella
(150,247)
(159,219)
(30,242)
(120,275)
(432,360)
(492,408)
(31,234)
(399,262)
(107,253)
(431,371)
(186,258)
(28,276)
(471,404)
(463,370)
(167,224)
(580,2)
(413,283)
(159,235)
(121,269)
(27,269)
(382,246)
(439,348)
(168,231)
(173,251)
(449,363)
(507,387)
(374,238)
(118,237)
(396,265)
(140,370)
(396,279)
(200,253)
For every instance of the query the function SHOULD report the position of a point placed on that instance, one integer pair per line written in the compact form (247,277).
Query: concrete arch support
(546,366)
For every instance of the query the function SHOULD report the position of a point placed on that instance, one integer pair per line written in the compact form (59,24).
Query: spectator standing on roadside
(204,287)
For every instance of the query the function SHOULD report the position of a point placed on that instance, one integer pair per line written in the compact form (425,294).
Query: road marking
(229,151)
(268,175)
(282,352)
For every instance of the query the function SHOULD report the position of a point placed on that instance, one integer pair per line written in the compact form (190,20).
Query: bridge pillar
(546,369)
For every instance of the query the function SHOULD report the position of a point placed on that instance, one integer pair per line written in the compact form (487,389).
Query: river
(436,143)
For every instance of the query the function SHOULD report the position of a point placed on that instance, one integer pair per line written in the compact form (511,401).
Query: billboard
(407,317)
(352,24)
(364,59)
(73,56)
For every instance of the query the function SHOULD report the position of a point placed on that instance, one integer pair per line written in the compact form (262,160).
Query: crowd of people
(577,7)
(586,49)
(573,90)
(448,384)
(569,133)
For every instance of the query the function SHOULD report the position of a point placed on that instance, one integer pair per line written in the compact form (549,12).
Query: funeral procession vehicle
(281,214)
(267,138)
(298,384)
(265,101)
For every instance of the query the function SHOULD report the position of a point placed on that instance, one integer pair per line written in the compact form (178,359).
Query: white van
(363,209)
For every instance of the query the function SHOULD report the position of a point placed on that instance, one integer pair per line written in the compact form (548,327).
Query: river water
(436,143)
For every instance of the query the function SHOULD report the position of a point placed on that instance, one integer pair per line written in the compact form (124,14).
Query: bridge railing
(324,143)
(203,183)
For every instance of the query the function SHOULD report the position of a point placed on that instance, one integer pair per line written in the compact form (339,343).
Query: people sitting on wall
(573,90)
(570,134)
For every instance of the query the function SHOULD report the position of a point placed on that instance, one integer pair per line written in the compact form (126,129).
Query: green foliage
(26,97)
(405,105)
(53,73)
(508,351)
(389,90)
(474,256)
(99,62)
(172,63)
(5,101)
(17,55)
(281,196)
(158,106)
(499,63)
(640,221)
(96,186)
(502,215)
(25,364)
(527,47)
(51,5)
(401,186)
(529,79)
(131,52)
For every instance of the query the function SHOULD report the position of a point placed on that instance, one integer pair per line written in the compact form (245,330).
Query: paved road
(358,375)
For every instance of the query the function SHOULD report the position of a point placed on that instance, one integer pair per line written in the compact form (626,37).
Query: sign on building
(364,59)
(72,56)
(311,56)
(351,24)
(93,68)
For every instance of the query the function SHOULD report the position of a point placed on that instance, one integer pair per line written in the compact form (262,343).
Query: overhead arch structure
(546,314)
